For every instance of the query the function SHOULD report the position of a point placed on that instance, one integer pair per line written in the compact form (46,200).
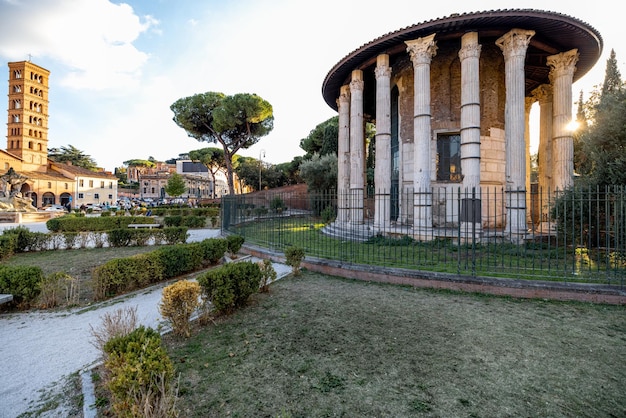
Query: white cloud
(94,39)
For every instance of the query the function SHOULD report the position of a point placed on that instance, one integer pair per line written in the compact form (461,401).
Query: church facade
(451,99)
(27,147)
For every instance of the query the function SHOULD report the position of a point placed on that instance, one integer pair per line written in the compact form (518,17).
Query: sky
(116,67)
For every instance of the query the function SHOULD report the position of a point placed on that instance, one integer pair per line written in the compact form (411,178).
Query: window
(110,185)
(17,89)
(81,196)
(49,185)
(66,186)
(90,183)
(449,158)
(81,183)
(110,197)
(102,184)
(96,195)
(18,74)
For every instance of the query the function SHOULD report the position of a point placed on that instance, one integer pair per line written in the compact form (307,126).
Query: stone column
(382,170)
(421,51)
(343,156)
(469,55)
(529,101)
(562,67)
(543,94)
(357,155)
(514,45)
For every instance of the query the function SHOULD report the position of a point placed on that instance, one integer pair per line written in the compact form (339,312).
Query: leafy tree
(612,77)
(604,140)
(122,175)
(236,122)
(140,163)
(175,185)
(291,171)
(322,139)
(212,158)
(320,172)
(72,155)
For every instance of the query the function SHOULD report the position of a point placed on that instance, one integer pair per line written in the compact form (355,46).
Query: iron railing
(578,235)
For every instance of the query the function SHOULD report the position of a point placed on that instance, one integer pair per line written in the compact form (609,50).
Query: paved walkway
(38,349)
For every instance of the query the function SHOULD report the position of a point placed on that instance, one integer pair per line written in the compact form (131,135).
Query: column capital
(357,81)
(543,94)
(344,96)
(470,48)
(382,66)
(563,63)
(422,50)
(515,42)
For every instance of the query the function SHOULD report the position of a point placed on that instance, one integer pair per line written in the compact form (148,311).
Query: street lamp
(261,155)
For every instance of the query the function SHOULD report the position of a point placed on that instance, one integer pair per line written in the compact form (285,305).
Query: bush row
(206,212)
(20,239)
(71,223)
(188,221)
(126,274)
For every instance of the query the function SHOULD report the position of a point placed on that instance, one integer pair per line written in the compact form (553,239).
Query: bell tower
(27,127)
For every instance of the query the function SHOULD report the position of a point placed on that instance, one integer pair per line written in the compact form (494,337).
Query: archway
(65,198)
(48,198)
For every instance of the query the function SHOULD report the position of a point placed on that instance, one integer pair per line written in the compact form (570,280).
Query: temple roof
(554,33)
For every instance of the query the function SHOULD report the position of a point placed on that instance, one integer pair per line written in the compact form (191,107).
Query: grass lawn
(319,346)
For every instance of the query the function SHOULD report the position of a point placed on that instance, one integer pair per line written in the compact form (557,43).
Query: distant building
(27,147)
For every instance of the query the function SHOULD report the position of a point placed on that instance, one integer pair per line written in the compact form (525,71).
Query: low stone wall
(494,286)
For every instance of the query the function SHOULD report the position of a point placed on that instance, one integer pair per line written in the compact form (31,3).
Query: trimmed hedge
(70,223)
(188,221)
(126,274)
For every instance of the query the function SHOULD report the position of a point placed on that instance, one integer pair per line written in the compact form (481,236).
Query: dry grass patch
(317,346)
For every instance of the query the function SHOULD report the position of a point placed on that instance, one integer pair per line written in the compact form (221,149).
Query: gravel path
(38,349)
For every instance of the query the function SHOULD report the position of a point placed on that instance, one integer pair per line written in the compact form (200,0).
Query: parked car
(93,207)
(54,208)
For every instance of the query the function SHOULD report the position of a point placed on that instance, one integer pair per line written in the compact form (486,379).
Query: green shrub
(294,256)
(173,220)
(139,372)
(179,259)
(7,245)
(120,237)
(277,204)
(173,235)
(124,274)
(23,238)
(328,214)
(234,243)
(213,249)
(228,287)
(23,282)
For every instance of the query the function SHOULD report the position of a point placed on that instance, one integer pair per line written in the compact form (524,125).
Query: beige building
(27,147)
(451,100)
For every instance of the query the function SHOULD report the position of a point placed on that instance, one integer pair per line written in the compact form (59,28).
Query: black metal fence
(577,235)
